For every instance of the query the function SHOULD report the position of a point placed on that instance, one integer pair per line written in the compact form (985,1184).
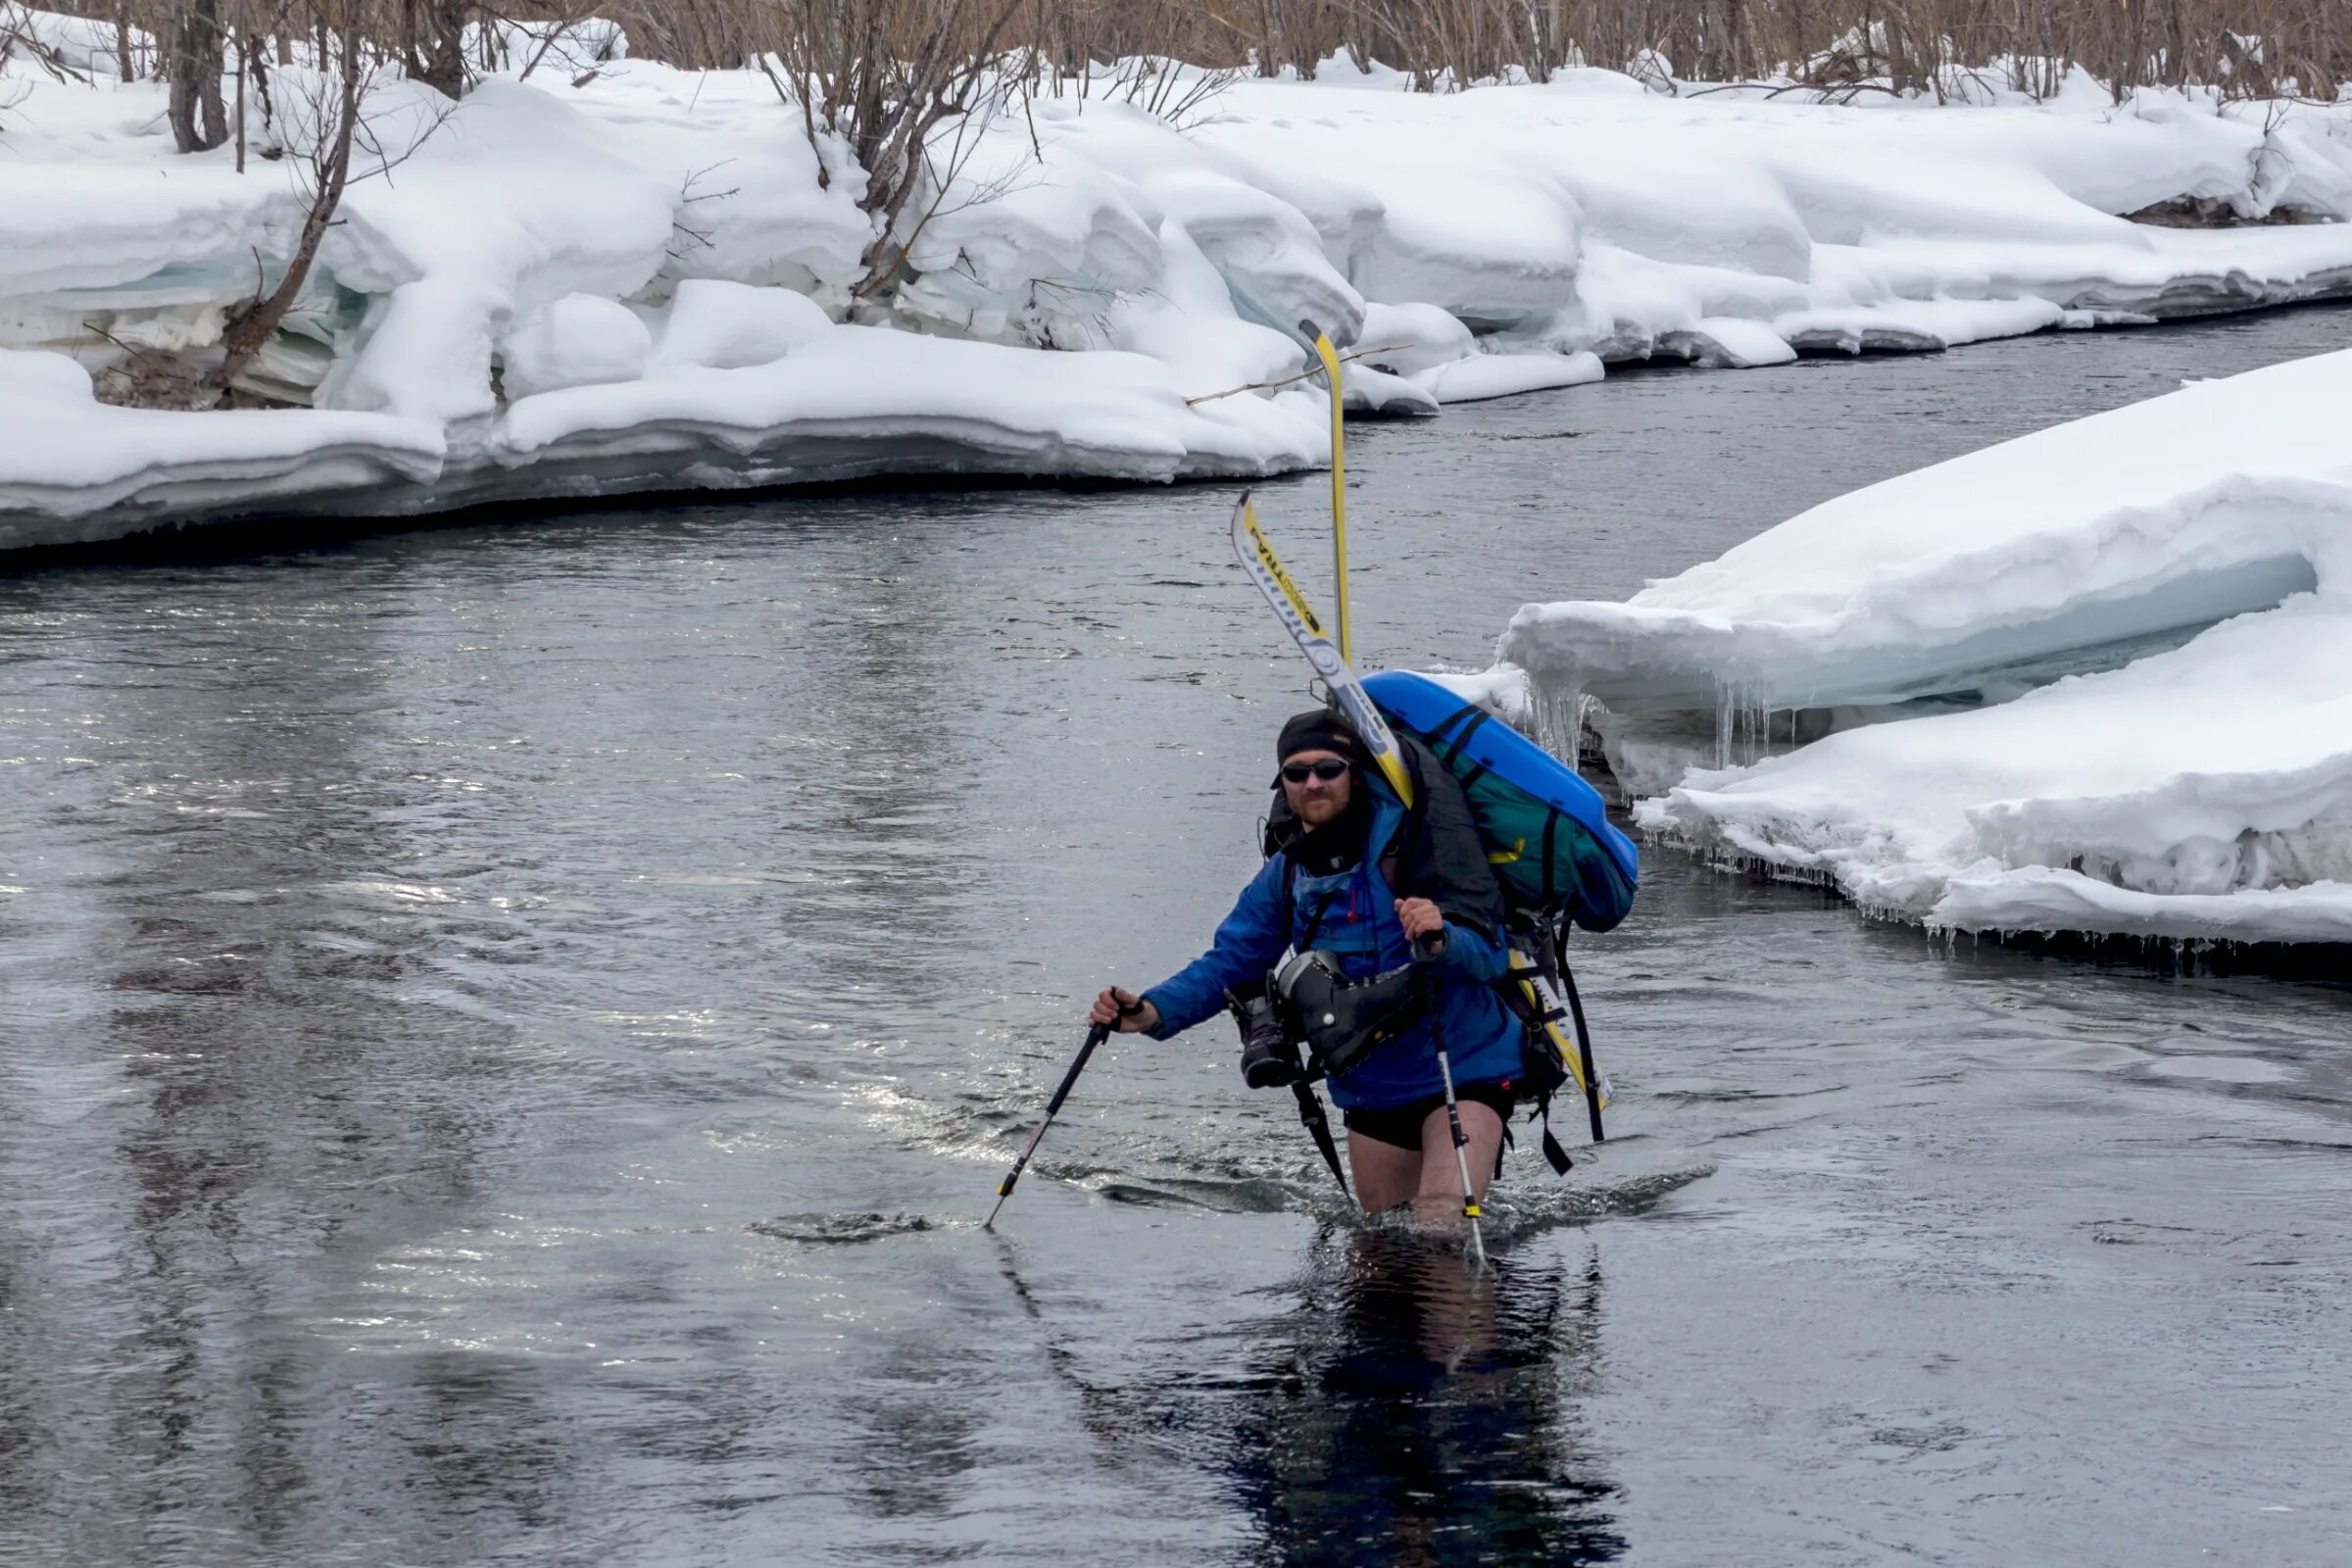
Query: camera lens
(1268,1060)
(1268,1069)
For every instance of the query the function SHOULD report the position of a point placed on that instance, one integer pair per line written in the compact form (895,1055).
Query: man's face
(1315,797)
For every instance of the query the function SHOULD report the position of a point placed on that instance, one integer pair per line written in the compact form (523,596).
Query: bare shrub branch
(324,123)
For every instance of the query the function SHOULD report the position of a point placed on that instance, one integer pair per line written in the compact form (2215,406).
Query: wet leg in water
(1428,1177)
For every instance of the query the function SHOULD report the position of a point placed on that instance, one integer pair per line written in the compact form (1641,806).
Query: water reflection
(1413,1412)
(221,1118)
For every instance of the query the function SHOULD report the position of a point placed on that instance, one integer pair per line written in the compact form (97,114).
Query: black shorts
(1399,1127)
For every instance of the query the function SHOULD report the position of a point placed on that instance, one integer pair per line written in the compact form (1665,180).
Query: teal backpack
(1546,831)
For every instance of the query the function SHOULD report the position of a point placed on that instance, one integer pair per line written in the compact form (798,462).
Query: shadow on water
(2327,962)
(268,536)
(1409,1411)
(177,1388)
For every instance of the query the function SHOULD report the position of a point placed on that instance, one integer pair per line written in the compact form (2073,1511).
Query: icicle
(1743,721)
(1560,720)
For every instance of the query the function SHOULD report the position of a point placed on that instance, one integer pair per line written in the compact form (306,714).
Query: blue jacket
(1357,922)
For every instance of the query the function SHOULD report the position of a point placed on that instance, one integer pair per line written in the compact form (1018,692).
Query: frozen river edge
(2086,680)
(557,337)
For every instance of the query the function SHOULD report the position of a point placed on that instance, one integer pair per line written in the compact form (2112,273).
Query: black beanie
(1321,729)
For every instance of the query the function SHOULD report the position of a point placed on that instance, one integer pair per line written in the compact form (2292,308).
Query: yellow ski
(1265,570)
(1536,988)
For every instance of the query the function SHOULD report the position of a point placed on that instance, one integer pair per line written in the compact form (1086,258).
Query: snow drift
(2201,541)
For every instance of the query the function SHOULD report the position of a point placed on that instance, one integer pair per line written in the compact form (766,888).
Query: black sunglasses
(1329,768)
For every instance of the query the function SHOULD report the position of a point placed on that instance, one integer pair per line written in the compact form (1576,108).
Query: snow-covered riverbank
(2139,768)
(607,287)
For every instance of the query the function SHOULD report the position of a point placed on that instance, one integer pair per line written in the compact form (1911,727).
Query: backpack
(1559,863)
(1546,831)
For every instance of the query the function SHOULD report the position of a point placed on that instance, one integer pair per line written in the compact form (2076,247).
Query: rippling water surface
(510,1032)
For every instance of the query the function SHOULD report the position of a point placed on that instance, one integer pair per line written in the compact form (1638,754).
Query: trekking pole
(1423,953)
(1094,1036)
(1318,1127)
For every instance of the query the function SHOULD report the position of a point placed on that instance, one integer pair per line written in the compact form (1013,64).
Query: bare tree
(875,64)
(332,127)
(16,38)
(20,40)
(1169,58)
(433,43)
(199,119)
(325,124)
(891,79)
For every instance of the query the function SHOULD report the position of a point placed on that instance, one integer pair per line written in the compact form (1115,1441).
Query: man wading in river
(1354,874)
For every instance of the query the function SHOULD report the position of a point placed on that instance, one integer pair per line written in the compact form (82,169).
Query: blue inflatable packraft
(1546,831)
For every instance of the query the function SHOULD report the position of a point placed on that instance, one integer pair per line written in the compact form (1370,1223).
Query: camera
(1269,1057)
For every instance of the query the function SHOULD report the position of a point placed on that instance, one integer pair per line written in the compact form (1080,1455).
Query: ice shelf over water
(632,277)
(2201,790)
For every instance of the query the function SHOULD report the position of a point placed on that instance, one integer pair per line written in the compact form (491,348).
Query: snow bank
(1501,376)
(79,45)
(860,401)
(2202,790)
(1488,242)
(76,468)
(540,285)
(730,326)
(578,340)
(1634,222)
(2002,566)
(854,404)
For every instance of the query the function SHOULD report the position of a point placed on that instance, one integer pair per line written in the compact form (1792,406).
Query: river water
(510,1030)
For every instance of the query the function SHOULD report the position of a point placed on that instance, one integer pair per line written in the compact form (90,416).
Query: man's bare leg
(1385,1175)
(1440,1194)
(1428,1177)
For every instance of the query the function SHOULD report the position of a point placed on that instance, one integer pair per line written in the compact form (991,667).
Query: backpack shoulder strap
(1289,904)
(1407,853)
(1447,857)
(1553,1155)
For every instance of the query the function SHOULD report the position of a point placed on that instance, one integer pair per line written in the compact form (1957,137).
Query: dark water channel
(509,1032)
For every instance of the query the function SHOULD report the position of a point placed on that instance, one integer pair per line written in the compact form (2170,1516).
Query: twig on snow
(1265,386)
